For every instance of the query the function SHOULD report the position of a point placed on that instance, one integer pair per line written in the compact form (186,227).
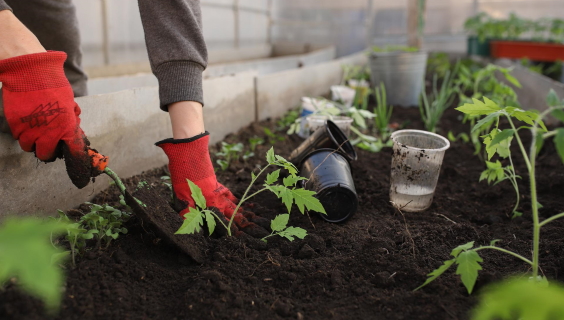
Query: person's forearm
(187,119)
(177,51)
(15,38)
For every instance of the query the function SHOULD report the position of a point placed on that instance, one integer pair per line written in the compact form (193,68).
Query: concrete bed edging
(29,187)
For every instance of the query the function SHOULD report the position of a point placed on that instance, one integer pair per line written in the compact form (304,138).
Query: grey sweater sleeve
(4,6)
(176,47)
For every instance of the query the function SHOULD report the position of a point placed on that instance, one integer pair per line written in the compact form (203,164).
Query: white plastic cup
(316,121)
(344,94)
(416,163)
(310,106)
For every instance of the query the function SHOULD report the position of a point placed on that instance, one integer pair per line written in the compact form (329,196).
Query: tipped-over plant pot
(328,136)
(402,73)
(329,175)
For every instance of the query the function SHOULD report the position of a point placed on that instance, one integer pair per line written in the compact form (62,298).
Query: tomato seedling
(288,192)
(466,256)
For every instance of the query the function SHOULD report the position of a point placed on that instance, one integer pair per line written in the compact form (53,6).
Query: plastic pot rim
(423,132)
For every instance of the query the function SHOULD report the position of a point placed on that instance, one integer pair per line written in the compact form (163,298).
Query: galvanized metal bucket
(403,75)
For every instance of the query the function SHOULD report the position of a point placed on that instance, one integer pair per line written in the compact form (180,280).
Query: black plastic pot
(328,136)
(329,175)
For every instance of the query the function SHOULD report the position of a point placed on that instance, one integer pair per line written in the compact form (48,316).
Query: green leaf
(280,222)
(505,134)
(287,197)
(516,214)
(436,273)
(192,223)
(270,156)
(512,79)
(290,181)
(468,267)
(559,142)
(486,120)
(292,232)
(478,107)
(519,298)
(558,114)
(210,220)
(493,242)
(305,198)
(26,254)
(552,99)
(456,251)
(272,177)
(197,194)
(539,142)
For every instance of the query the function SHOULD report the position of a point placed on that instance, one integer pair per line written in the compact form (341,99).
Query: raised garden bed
(365,268)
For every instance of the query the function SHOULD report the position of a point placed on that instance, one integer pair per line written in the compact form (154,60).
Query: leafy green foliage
(468,265)
(383,113)
(273,137)
(254,142)
(433,106)
(229,153)
(288,192)
(288,119)
(27,255)
(107,220)
(280,227)
(518,298)
(494,172)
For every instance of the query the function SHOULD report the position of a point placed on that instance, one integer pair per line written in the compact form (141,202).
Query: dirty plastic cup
(327,136)
(316,121)
(310,106)
(328,173)
(416,163)
(344,94)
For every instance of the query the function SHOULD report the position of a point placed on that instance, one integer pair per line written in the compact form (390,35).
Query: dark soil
(365,268)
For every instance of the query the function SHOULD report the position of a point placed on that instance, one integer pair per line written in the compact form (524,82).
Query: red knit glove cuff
(31,72)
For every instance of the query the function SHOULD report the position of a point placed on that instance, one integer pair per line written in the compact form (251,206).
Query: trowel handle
(99,162)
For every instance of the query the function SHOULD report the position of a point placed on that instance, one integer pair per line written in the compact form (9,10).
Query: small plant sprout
(288,192)
(466,256)
(229,152)
(254,142)
(383,113)
(273,137)
(433,107)
(280,227)
(107,221)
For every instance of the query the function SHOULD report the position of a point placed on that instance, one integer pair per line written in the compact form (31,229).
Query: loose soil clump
(365,268)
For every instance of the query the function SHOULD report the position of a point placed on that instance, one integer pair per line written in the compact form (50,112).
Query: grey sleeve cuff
(4,6)
(179,81)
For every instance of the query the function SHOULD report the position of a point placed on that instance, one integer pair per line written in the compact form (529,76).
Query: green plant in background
(362,97)
(383,113)
(76,236)
(439,63)
(229,152)
(557,30)
(27,255)
(463,136)
(394,48)
(475,26)
(466,256)
(288,193)
(519,298)
(107,221)
(273,137)
(357,73)
(254,142)
(440,100)
(279,226)
(288,119)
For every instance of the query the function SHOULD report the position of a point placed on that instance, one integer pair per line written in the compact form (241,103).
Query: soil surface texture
(364,268)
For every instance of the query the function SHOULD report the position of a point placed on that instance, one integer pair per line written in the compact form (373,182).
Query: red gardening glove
(40,110)
(189,159)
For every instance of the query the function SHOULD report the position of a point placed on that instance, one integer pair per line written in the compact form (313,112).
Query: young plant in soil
(228,152)
(254,142)
(288,192)
(466,256)
(383,113)
(433,107)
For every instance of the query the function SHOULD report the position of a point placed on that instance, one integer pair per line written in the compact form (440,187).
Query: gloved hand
(190,159)
(41,113)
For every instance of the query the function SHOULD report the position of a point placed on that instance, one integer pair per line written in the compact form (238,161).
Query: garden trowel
(155,212)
